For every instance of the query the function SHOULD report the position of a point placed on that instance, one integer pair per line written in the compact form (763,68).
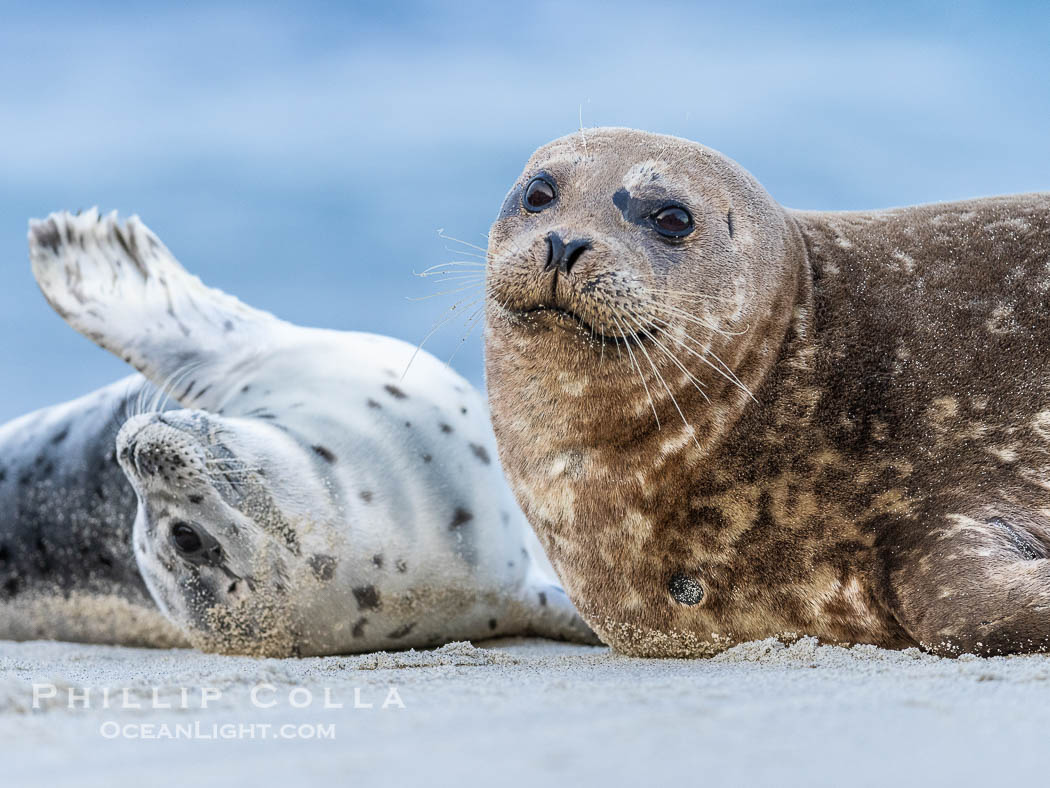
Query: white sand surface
(530,712)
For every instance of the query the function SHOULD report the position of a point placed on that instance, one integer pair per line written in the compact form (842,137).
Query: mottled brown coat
(881,474)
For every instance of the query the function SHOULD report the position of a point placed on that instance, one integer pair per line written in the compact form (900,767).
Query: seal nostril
(555,250)
(572,253)
(564,256)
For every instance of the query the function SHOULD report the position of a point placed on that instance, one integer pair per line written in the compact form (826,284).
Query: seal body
(298,497)
(775,422)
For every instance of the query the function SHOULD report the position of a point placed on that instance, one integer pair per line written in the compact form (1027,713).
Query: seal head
(650,253)
(232,515)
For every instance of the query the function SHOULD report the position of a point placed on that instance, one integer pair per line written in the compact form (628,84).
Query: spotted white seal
(304,500)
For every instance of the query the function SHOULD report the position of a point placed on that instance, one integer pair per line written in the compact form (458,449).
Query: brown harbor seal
(729,420)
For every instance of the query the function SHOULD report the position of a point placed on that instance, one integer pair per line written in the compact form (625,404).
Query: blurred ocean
(303,156)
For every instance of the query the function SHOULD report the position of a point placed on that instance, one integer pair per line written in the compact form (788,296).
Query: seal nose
(563,256)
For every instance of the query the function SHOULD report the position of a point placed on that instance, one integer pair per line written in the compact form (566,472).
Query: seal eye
(185,538)
(539,194)
(673,221)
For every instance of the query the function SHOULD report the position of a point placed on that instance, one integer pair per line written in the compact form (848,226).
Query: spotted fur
(268,490)
(858,447)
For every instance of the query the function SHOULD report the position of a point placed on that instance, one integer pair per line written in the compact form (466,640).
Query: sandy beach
(522,712)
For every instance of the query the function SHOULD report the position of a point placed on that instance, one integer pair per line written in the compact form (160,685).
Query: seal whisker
(464,251)
(728,374)
(474,276)
(473,319)
(732,375)
(451,266)
(165,392)
(451,313)
(455,276)
(687,293)
(582,135)
(689,317)
(637,367)
(697,383)
(442,234)
(150,401)
(446,292)
(688,375)
(659,377)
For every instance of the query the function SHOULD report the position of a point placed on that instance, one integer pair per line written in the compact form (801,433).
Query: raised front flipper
(121,287)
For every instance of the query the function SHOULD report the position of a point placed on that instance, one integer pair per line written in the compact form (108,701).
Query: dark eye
(539,194)
(673,221)
(185,538)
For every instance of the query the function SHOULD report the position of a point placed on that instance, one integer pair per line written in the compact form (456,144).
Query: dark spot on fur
(711,517)
(324,454)
(493,623)
(228,326)
(400,632)
(5,556)
(377,560)
(459,518)
(463,411)
(196,498)
(543,599)
(400,565)
(480,453)
(47,236)
(729,222)
(47,467)
(11,586)
(60,436)
(427,458)
(232,587)
(373,404)
(3,474)
(395,392)
(685,589)
(446,428)
(366,496)
(359,627)
(323,567)
(367,597)
(246,389)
